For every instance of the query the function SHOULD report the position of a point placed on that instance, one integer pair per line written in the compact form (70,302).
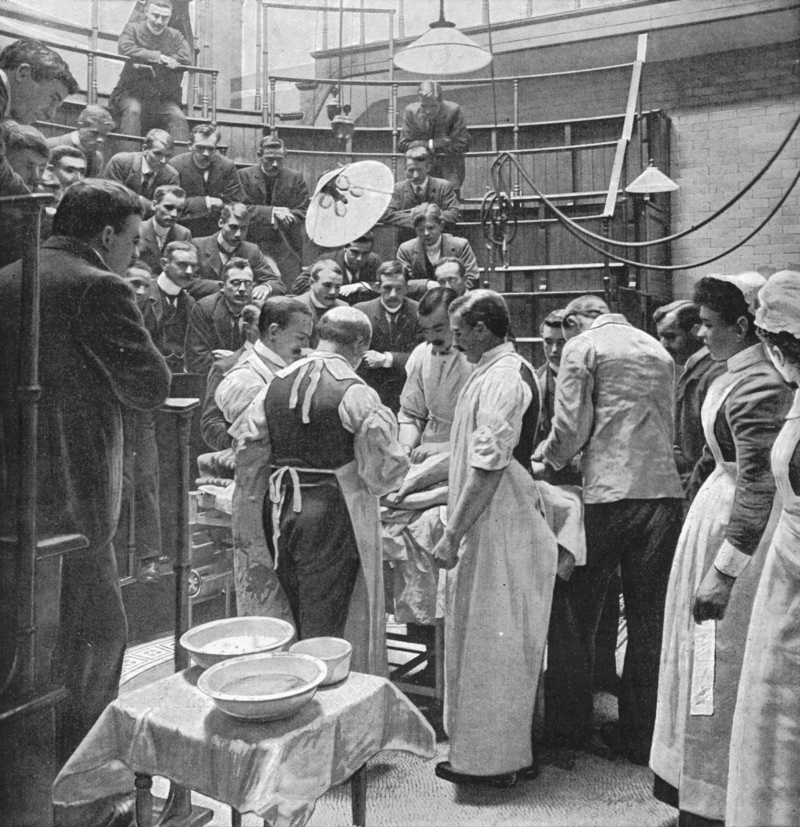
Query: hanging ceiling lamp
(442,50)
(650,181)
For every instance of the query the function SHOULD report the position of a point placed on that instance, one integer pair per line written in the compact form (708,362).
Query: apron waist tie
(277,495)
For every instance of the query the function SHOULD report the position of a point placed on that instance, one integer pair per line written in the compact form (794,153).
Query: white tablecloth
(277,770)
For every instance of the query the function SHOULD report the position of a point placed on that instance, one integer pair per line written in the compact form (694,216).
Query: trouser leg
(318,561)
(174,121)
(91,643)
(570,691)
(564,680)
(148,511)
(647,551)
(605,667)
(130,117)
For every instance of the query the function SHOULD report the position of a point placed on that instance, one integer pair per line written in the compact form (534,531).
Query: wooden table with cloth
(276,770)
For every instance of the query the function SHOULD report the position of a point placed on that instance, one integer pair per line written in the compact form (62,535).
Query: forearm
(473,500)
(409,436)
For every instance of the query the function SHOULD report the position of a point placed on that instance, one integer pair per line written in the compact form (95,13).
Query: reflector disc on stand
(348,202)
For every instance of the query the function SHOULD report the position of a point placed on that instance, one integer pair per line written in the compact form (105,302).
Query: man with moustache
(148,93)
(677,325)
(394,334)
(162,227)
(145,171)
(277,198)
(323,293)
(500,555)
(211,181)
(214,321)
(285,327)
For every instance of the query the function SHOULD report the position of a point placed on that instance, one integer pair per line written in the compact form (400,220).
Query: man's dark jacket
(223,182)
(95,358)
(212,326)
(399,340)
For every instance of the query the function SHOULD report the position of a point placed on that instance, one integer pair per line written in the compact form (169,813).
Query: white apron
(700,663)
(498,611)
(764,775)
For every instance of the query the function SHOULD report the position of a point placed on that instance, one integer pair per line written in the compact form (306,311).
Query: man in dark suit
(214,328)
(431,245)
(418,188)
(211,181)
(148,93)
(395,333)
(441,127)
(214,251)
(144,172)
(167,314)
(323,293)
(277,198)
(162,228)
(96,360)
(94,124)
(359,266)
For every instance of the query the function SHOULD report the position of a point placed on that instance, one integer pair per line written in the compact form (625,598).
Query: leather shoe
(530,772)
(148,571)
(447,773)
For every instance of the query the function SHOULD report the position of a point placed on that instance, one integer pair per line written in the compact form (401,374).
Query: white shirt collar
(167,285)
(159,230)
(224,244)
(421,186)
(145,166)
(391,310)
(262,350)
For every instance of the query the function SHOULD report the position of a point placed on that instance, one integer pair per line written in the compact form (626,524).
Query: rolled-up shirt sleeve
(573,417)
(504,398)
(382,463)
(413,407)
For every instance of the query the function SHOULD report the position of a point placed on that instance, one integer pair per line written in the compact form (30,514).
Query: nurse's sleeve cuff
(730,560)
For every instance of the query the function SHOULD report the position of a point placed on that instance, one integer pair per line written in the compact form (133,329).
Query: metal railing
(208,104)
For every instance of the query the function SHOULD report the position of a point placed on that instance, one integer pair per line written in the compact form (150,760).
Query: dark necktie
(147,184)
(419,193)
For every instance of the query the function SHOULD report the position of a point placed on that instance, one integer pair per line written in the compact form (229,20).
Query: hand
(712,597)
(374,359)
(283,215)
(219,353)
(261,292)
(445,552)
(537,454)
(169,62)
(349,289)
(566,564)
(227,462)
(422,452)
(216,203)
(539,470)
